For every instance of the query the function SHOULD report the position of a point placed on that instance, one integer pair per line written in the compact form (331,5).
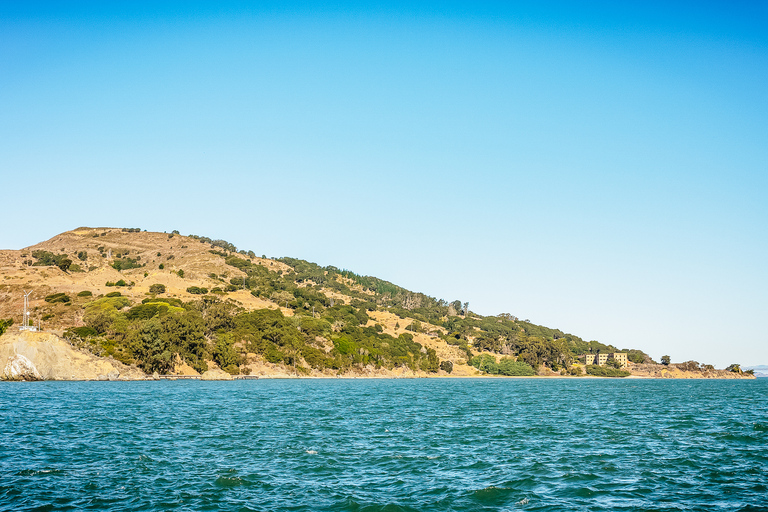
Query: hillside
(169,303)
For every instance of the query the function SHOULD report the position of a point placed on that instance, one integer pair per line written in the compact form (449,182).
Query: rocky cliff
(26,355)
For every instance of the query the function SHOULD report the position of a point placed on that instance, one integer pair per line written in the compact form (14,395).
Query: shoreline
(174,378)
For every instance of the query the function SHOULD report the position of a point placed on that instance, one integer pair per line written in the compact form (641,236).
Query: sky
(597,167)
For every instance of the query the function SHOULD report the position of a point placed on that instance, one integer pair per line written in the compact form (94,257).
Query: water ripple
(384,445)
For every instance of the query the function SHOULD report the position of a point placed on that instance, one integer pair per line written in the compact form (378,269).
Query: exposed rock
(102,377)
(55,359)
(216,374)
(19,367)
(113,375)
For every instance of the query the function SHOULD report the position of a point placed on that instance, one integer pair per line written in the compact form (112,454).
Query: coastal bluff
(28,355)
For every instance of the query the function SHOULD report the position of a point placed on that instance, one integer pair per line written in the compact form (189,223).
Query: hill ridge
(128,294)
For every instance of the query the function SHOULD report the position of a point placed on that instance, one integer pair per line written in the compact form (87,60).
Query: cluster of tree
(223,244)
(49,259)
(126,263)
(694,366)
(506,366)
(150,334)
(736,368)
(502,334)
(131,230)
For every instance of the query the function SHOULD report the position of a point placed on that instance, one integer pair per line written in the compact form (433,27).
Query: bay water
(385,445)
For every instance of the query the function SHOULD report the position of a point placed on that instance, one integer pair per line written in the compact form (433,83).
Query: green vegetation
(665,360)
(45,259)
(506,366)
(57,297)
(323,333)
(5,324)
(606,371)
(153,332)
(125,263)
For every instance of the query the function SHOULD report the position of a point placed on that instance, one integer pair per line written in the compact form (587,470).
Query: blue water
(385,445)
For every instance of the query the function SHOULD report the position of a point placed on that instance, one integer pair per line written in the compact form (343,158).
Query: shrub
(197,290)
(162,266)
(85,293)
(485,363)
(125,263)
(446,366)
(180,273)
(82,332)
(57,297)
(157,288)
(690,366)
(5,324)
(114,294)
(604,371)
(414,326)
(508,366)
(82,255)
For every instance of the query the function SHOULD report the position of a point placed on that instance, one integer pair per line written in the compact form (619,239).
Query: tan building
(602,359)
(621,357)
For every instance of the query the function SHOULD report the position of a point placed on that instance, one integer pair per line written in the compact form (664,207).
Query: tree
(430,363)
(64,264)
(446,366)
(665,360)
(157,288)
(225,355)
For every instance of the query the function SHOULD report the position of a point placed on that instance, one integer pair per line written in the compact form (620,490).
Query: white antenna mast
(25,320)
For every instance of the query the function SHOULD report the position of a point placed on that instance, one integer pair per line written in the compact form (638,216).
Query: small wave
(523,501)
(493,495)
(40,472)
(311,452)
(760,427)
(230,481)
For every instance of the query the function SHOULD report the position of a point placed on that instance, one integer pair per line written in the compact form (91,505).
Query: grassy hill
(171,303)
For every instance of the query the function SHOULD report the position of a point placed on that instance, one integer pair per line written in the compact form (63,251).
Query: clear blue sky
(599,167)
